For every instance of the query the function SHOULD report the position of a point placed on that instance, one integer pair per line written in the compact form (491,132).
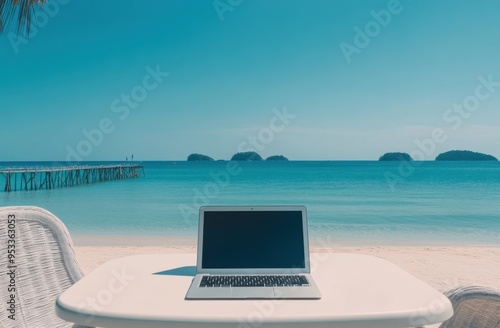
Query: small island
(246,156)
(464,155)
(395,157)
(277,158)
(199,157)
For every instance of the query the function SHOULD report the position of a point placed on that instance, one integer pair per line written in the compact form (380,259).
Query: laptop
(253,252)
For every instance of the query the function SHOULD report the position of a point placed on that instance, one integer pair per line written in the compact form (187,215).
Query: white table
(148,291)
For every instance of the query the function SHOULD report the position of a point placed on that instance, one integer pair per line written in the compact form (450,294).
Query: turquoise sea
(349,202)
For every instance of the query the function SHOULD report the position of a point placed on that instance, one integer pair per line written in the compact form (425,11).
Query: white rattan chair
(44,265)
(474,307)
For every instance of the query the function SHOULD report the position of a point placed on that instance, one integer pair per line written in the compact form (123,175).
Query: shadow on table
(186,271)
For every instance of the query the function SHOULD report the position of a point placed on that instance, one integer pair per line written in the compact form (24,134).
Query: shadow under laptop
(185,271)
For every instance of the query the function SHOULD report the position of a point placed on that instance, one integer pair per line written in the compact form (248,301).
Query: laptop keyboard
(254,281)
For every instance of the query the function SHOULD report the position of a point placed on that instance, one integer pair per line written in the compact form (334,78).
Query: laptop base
(231,293)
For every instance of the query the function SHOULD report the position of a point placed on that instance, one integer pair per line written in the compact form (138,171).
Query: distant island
(242,156)
(199,157)
(395,157)
(277,158)
(452,155)
(464,155)
(246,156)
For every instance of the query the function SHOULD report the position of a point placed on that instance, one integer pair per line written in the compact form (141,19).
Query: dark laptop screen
(253,240)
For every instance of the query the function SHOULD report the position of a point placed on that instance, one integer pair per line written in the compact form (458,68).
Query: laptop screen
(253,240)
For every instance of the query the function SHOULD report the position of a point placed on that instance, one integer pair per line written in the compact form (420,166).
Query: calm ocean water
(349,202)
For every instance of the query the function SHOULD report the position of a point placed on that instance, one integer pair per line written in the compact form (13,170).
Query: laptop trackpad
(252,292)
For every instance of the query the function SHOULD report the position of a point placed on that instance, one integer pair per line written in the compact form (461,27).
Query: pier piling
(34,178)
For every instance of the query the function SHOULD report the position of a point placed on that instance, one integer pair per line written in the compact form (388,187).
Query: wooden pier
(34,178)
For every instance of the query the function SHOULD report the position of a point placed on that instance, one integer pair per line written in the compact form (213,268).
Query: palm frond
(20,10)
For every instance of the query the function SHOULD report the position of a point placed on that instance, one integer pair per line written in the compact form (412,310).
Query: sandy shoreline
(442,267)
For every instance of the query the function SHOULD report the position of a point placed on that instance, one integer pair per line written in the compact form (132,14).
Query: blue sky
(232,65)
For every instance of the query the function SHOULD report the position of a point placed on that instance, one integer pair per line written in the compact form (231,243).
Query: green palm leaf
(20,10)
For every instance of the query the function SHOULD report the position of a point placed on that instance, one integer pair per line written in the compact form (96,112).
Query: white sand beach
(442,267)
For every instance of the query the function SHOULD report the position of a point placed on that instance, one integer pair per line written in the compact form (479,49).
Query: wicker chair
(44,266)
(474,307)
